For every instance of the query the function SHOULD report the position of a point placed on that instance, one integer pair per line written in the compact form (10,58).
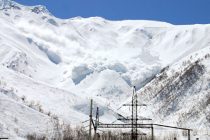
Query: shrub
(35,137)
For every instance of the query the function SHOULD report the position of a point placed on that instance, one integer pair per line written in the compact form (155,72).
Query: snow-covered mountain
(50,68)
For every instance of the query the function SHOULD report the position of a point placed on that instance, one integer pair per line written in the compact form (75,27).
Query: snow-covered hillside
(52,67)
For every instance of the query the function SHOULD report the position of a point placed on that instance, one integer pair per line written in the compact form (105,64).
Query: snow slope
(56,66)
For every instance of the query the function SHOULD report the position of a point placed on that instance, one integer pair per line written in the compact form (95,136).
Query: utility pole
(134,131)
(90,125)
(152,133)
(96,124)
(188,134)
(134,116)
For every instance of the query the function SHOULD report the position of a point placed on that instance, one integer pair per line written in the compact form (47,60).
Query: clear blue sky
(173,11)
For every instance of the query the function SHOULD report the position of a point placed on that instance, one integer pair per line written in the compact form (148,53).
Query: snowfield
(50,68)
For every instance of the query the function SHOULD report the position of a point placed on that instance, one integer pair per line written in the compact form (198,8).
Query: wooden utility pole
(90,125)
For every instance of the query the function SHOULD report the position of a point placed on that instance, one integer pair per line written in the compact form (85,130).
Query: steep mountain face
(52,67)
(180,94)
